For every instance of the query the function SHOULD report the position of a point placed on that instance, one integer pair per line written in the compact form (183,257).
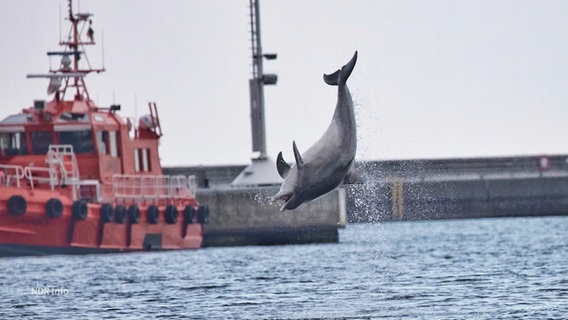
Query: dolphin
(329,162)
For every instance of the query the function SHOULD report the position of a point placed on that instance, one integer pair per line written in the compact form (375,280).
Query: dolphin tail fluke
(340,76)
(332,79)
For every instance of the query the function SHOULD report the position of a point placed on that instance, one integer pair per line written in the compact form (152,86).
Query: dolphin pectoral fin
(297,155)
(353,177)
(341,76)
(282,166)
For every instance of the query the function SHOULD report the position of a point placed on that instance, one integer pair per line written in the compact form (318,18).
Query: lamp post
(262,170)
(256,84)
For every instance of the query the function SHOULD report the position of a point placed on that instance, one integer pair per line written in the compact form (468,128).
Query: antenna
(60,22)
(135,107)
(103,47)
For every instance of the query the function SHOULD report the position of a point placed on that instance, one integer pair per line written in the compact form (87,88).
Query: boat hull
(35,232)
(16,250)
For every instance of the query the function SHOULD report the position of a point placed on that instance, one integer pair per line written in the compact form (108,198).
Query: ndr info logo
(49,291)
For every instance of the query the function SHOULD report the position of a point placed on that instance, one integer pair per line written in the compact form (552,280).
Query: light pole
(256,84)
(262,170)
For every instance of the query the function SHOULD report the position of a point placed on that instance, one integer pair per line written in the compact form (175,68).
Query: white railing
(61,170)
(153,187)
(11,175)
(41,175)
(61,158)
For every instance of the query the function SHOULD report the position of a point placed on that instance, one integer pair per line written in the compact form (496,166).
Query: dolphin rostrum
(328,163)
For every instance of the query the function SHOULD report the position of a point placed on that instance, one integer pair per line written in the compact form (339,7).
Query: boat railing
(61,159)
(150,187)
(11,175)
(41,175)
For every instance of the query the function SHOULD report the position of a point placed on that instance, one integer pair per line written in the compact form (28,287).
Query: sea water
(513,268)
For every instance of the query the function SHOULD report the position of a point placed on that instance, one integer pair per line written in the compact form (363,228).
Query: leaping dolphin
(328,163)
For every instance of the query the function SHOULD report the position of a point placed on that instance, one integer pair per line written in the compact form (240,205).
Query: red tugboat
(77,178)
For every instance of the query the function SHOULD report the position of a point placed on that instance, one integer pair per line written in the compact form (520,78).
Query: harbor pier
(394,190)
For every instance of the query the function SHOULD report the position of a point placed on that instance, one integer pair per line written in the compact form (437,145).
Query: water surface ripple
(515,268)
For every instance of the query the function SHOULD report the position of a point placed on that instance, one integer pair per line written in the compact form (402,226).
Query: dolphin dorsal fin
(282,166)
(297,155)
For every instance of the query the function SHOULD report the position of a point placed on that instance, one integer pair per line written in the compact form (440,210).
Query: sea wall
(417,189)
(461,199)
(460,189)
(247,216)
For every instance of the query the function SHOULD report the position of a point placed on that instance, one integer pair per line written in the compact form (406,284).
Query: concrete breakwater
(394,190)
(247,216)
(460,188)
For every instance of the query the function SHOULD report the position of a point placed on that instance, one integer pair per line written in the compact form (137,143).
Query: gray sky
(434,79)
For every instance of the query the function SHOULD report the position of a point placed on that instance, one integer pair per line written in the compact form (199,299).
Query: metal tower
(259,79)
(262,170)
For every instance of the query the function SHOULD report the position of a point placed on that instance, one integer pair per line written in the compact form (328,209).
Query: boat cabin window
(113,143)
(82,141)
(40,141)
(102,141)
(142,160)
(145,159)
(107,143)
(13,143)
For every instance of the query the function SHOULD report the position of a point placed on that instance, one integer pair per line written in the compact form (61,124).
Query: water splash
(263,196)
(367,200)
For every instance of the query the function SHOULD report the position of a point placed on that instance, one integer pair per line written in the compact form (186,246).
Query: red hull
(35,232)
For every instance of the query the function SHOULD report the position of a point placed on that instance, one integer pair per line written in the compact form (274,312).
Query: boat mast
(69,70)
(73,42)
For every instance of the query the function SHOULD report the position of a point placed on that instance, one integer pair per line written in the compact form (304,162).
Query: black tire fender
(54,208)
(17,205)
(80,209)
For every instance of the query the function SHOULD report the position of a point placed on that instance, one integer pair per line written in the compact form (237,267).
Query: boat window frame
(142,161)
(102,137)
(113,143)
(37,146)
(81,140)
(17,143)
(145,159)
(136,160)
